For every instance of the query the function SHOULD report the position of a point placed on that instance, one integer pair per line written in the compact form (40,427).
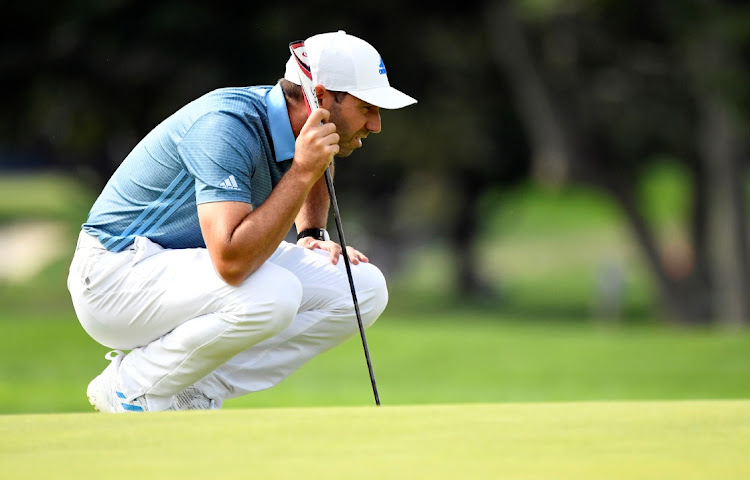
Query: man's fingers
(334,250)
(333,147)
(359,255)
(355,256)
(319,115)
(309,243)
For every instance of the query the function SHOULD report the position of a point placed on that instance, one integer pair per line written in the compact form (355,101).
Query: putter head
(305,74)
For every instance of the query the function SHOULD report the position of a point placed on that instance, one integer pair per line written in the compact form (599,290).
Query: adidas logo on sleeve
(229,183)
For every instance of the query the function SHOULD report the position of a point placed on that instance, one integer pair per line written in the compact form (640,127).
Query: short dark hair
(294,91)
(291,90)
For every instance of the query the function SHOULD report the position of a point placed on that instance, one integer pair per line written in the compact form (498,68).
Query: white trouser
(186,326)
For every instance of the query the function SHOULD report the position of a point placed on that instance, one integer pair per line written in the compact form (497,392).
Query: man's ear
(320,93)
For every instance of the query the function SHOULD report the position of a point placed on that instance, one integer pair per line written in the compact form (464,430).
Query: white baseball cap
(345,63)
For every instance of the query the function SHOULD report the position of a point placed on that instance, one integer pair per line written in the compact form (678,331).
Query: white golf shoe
(104,391)
(105,394)
(192,399)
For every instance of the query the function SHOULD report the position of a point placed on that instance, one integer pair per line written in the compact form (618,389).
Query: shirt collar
(278,119)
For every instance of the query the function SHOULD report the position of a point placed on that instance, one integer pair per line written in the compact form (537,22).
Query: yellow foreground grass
(599,440)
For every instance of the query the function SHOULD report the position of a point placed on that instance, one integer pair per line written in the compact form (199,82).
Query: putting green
(602,440)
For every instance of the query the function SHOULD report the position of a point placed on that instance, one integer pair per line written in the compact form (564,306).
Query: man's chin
(344,153)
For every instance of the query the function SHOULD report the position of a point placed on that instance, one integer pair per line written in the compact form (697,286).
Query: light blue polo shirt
(230,144)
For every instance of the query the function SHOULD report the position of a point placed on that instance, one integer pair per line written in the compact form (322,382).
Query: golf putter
(311,101)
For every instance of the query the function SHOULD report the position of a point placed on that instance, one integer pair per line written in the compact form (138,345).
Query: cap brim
(384,97)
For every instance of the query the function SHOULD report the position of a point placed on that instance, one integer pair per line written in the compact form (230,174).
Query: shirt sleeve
(218,151)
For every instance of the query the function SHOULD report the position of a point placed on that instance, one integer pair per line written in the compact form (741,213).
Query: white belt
(86,240)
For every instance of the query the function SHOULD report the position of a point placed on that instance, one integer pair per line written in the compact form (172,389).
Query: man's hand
(316,144)
(355,256)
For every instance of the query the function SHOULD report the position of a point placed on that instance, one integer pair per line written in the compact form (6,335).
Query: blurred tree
(90,78)
(461,140)
(605,88)
(577,91)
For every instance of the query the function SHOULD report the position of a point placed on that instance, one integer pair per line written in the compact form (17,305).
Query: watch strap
(316,233)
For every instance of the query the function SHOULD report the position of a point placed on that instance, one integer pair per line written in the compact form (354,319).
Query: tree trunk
(567,154)
(464,238)
(727,216)
(684,300)
(550,155)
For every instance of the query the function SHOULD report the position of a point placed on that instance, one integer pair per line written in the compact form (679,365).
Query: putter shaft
(342,241)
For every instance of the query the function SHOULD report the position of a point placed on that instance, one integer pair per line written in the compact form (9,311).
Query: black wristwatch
(316,233)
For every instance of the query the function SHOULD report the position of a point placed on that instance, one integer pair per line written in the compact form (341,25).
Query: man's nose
(373,122)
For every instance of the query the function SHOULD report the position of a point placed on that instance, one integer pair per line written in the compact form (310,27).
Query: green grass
(454,357)
(540,343)
(55,197)
(533,386)
(610,440)
(546,253)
